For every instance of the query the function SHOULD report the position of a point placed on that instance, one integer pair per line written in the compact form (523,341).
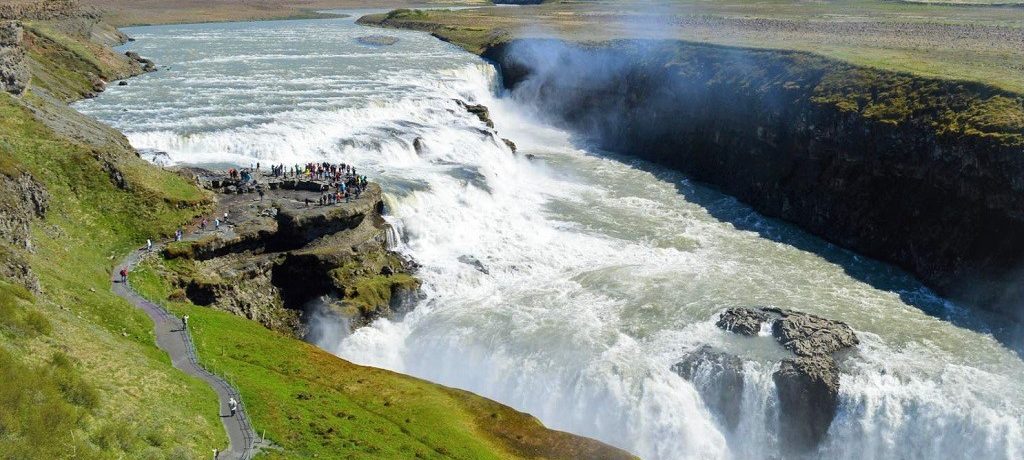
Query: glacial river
(600,272)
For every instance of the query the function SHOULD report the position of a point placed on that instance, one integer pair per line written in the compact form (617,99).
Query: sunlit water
(602,274)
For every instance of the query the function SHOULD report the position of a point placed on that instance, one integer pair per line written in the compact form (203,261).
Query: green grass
(110,391)
(313,404)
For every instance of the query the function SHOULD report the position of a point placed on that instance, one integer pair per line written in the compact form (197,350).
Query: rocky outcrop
(22,201)
(743,321)
(807,385)
(147,65)
(919,172)
(718,376)
(14,71)
(284,259)
(481,112)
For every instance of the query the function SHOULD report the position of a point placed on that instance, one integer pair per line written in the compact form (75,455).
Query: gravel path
(177,342)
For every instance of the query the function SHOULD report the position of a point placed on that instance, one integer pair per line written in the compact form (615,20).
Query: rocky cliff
(925,174)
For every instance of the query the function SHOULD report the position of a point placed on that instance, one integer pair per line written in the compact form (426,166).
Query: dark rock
(481,112)
(810,335)
(511,145)
(122,83)
(419,146)
(718,377)
(808,391)
(98,85)
(473,261)
(743,321)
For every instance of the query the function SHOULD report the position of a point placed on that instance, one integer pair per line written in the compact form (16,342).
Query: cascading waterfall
(590,276)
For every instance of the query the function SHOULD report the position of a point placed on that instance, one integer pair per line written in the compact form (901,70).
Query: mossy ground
(313,404)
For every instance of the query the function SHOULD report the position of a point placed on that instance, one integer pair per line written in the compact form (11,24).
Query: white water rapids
(600,273)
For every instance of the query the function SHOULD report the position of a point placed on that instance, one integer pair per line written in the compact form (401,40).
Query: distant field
(977,43)
(135,12)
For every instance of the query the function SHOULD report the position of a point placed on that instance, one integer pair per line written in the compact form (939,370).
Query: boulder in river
(809,335)
(377,40)
(808,391)
(511,145)
(807,385)
(743,321)
(718,377)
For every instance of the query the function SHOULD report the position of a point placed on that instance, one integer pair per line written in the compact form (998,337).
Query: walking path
(177,342)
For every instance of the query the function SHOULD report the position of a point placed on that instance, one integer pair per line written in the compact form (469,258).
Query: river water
(600,273)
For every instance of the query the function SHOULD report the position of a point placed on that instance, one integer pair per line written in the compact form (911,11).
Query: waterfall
(565,286)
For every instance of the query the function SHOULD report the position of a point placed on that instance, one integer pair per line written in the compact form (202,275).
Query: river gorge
(561,279)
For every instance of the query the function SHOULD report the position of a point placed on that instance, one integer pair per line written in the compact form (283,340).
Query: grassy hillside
(315,405)
(82,375)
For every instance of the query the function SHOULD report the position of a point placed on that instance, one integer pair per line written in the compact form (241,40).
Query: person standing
(233,405)
(216,224)
(184,323)
(124,275)
(149,245)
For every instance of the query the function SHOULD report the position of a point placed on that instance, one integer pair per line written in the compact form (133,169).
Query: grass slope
(116,393)
(316,405)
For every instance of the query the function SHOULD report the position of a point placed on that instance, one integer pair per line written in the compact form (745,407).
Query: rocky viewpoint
(807,384)
(281,255)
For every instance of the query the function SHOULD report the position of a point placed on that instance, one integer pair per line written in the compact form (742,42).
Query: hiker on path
(233,405)
(124,275)
(216,224)
(184,323)
(149,245)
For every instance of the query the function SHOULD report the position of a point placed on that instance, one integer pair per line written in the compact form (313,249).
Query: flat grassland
(973,43)
(139,12)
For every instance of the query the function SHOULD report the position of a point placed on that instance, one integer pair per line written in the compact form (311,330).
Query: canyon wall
(925,174)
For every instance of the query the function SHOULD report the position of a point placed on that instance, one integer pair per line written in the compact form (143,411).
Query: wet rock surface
(808,390)
(718,377)
(807,385)
(743,321)
(809,335)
